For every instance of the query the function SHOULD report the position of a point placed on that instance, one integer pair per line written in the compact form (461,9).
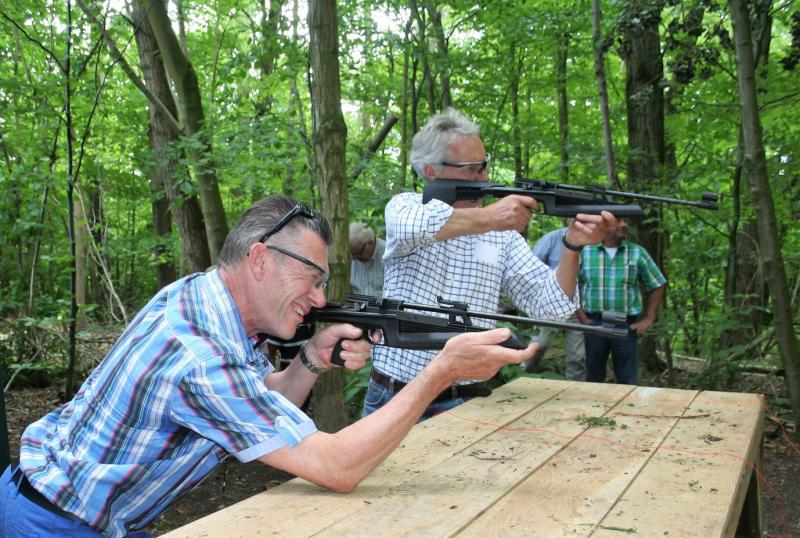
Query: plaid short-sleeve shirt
(475,269)
(180,390)
(608,283)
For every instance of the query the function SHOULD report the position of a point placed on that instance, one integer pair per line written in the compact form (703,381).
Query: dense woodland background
(134,134)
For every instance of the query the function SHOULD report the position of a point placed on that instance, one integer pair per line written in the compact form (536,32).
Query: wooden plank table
(541,458)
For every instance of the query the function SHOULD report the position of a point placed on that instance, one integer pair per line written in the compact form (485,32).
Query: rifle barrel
(616,331)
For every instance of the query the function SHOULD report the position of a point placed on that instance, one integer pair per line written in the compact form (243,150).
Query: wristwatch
(570,246)
(313,368)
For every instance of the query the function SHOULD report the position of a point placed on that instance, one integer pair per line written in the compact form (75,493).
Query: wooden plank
(299,508)
(577,487)
(696,482)
(448,496)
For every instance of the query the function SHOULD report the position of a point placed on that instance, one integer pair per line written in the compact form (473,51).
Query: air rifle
(413,330)
(558,199)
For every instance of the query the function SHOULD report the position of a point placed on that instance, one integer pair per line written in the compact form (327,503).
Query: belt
(33,495)
(598,316)
(454,391)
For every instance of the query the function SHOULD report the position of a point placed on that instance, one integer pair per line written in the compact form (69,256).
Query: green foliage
(260,127)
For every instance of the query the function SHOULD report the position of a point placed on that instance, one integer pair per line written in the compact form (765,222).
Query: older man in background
(366,268)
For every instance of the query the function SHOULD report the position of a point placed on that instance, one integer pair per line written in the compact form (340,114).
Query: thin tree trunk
(330,137)
(297,109)
(270,47)
(165,169)
(184,79)
(69,389)
(516,131)
(422,41)
(562,50)
(600,73)
(755,164)
(442,58)
(81,249)
(404,106)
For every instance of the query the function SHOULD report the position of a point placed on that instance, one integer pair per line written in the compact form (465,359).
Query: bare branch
(36,42)
(117,55)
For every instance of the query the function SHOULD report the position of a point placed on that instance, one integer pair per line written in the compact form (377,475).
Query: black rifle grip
(336,354)
(513,342)
(336,357)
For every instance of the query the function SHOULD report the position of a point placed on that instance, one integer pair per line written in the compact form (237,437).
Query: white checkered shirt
(475,269)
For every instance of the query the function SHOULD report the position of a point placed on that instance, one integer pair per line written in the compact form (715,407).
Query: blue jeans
(624,356)
(22,518)
(378,396)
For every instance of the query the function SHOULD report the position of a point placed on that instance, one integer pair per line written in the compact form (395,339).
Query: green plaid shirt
(611,283)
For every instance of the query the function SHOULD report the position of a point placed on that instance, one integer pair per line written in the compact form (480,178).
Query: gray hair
(431,142)
(259,218)
(360,233)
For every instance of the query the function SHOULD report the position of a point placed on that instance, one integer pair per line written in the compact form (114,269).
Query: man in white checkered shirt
(466,253)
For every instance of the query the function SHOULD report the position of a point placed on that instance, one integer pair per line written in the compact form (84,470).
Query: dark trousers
(624,355)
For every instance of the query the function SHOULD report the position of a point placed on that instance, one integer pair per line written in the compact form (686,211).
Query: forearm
(465,221)
(295,382)
(567,271)
(340,461)
(654,299)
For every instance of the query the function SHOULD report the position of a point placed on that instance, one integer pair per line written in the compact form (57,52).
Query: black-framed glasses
(319,284)
(484,164)
(300,209)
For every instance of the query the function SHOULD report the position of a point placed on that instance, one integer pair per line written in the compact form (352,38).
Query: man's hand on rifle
(589,229)
(477,355)
(355,351)
(512,212)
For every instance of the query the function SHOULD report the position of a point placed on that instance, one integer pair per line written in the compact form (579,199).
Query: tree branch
(36,42)
(117,55)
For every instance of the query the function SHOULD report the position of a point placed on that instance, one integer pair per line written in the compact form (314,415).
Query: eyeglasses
(478,166)
(300,209)
(319,284)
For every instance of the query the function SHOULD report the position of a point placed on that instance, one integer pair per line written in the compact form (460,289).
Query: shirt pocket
(487,254)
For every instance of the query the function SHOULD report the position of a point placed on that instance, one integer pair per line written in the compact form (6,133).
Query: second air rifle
(557,199)
(405,329)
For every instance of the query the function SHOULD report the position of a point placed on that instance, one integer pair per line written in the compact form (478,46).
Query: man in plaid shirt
(609,279)
(184,388)
(466,253)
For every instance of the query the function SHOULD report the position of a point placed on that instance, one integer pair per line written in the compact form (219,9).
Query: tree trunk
(755,164)
(600,73)
(442,59)
(745,286)
(404,105)
(81,250)
(562,49)
(270,47)
(516,131)
(644,97)
(422,50)
(184,79)
(165,169)
(330,137)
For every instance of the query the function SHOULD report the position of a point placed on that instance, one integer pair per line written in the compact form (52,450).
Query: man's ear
(430,172)
(257,260)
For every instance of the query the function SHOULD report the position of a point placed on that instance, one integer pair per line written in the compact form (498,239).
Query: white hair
(430,144)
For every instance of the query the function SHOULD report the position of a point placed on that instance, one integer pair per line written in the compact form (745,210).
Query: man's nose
(317,297)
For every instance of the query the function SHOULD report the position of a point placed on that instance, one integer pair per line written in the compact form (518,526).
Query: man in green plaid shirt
(610,277)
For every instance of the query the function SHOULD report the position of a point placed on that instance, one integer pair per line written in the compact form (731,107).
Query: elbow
(339,483)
